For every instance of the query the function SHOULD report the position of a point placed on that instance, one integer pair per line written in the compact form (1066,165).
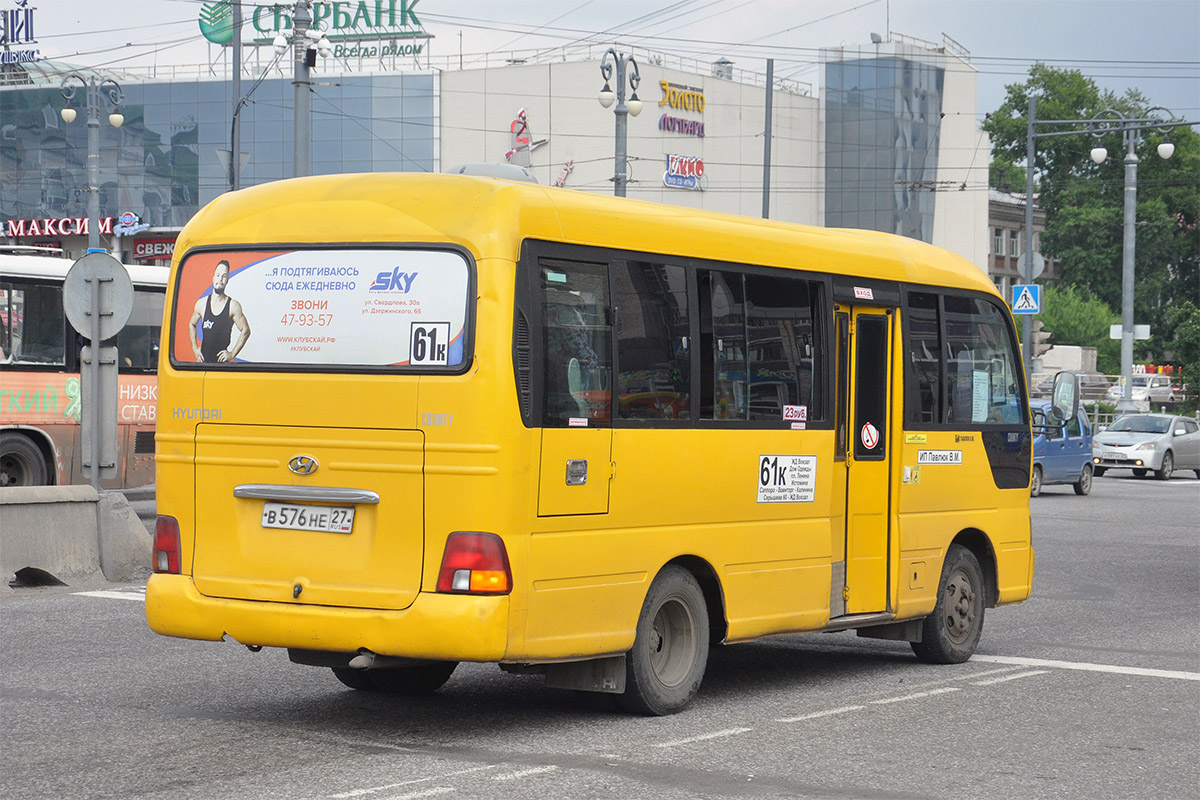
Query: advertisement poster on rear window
(349,307)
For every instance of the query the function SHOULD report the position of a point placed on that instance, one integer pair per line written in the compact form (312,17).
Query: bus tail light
(166,545)
(475,563)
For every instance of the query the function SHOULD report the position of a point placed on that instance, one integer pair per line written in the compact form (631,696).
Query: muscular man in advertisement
(219,313)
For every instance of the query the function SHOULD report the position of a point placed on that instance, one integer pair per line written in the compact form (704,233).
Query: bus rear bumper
(436,626)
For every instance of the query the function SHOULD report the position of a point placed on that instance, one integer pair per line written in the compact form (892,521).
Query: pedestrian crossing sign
(1026,298)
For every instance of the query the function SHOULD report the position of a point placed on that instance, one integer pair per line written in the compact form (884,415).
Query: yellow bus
(456,419)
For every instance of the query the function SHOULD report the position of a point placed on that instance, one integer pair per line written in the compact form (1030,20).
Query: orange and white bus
(39,374)
(448,418)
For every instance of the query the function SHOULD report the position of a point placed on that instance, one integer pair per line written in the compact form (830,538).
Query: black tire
(1035,482)
(664,669)
(951,633)
(21,463)
(354,678)
(1084,484)
(1168,467)
(421,679)
(1140,473)
(1098,471)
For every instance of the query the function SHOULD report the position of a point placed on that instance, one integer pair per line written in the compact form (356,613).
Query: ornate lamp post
(96,89)
(1111,121)
(1106,122)
(623,109)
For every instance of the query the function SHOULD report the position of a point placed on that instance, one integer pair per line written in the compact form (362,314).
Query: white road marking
(1086,667)
(1028,674)
(512,776)
(376,789)
(139,596)
(424,793)
(705,737)
(916,696)
(819,714)
(988,672)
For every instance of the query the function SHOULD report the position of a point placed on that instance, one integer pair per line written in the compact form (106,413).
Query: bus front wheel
(951,633)
(670,651)
(20,462)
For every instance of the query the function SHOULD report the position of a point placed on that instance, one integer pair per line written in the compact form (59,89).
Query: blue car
(1061,453)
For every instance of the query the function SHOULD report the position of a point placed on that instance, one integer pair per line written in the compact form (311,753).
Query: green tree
(1185,346)
(1006,176)
(1084,202)
(1075,318)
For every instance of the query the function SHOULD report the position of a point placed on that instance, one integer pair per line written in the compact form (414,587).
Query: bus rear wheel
(951,633)
(670,652)
(20,462)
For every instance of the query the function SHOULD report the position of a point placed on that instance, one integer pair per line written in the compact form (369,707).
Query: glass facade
(162,164)
(881,133)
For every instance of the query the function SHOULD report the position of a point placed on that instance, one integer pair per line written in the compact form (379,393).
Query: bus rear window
(352,308)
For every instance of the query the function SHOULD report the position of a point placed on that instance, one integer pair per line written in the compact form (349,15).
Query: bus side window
(923,398)
(653,354)
(981,371)
(759,342)
(576,329)
(35,325)
(137,342)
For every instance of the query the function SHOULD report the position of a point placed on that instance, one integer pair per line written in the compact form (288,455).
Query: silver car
(1145,389)
(1160,443)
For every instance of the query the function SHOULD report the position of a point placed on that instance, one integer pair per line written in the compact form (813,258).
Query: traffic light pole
(1027,267)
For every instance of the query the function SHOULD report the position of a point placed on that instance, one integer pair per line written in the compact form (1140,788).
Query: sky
(1151,45)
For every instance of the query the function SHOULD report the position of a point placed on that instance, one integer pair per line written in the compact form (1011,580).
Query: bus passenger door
(867,460)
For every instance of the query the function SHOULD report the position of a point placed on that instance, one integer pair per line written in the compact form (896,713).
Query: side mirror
(1180,431)
(1065,396)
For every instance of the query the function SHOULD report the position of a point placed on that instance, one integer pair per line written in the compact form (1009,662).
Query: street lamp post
(306,42)
(94,89)
(1110,121)
(623,109)
(1106,122)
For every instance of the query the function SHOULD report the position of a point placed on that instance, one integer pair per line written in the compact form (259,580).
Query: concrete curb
(72,533)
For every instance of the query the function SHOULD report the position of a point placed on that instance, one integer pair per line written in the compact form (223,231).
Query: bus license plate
(329,519)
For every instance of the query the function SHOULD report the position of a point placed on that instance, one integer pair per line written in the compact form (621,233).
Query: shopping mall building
(887,140)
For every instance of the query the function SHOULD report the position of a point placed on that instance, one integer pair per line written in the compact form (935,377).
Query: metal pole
(622,114)
(1027,266)
(767,140)
(235,153)
(93,442)
(1127,251)
(93,164)
(301,116)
